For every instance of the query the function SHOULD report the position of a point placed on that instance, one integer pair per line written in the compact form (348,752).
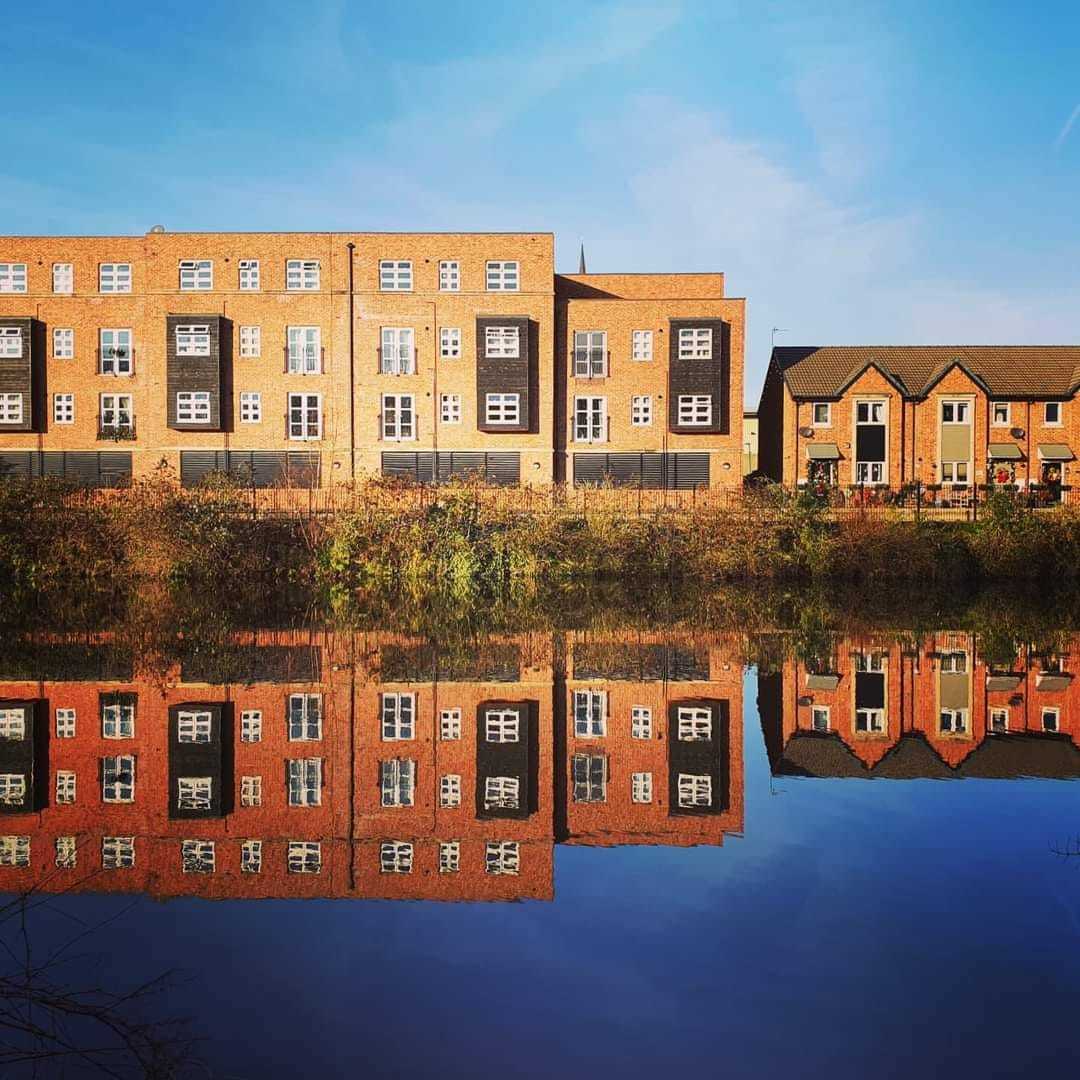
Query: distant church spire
(581,260)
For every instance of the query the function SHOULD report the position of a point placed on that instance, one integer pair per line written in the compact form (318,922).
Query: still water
(569,853)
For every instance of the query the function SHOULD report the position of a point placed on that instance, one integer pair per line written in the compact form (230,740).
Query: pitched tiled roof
(1006,370)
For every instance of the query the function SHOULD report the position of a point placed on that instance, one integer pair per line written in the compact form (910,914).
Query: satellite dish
(157,228)
(806,432)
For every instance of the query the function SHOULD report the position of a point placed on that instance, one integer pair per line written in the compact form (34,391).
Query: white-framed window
(63,278)
(251,791)
(65,786)
(251,725)
(66,856)
(302,275)
(251,407)
(449,275)
(398,353)
(118,779)
(1052,414)
(953,722)
(590,419)
(870,661)
(999,720)
(63,343)
(589,775)
(819,718)
(249,275)
(304,350)
(12,789)
(303,780)
(11,408)
(693,723)
(1001,413)
(194,726)
(503,408)
(641,787)
(117,415)
(398,417)
(250,342)
(450,342)
(954,472)
(641,345)
(193,340)
(450,409)
(117,852)
(502,276)
(65,723)
(449,724)
(397,782)
(956,412)
(63,408)
(641,410)
(116,352)
(822,413)
(502,793)
(304,857)
(449,856)
(590,714)
(502,343)
(305,417)
(870,412)
(395,275)
(395,857)
(695,343)
(869,472)
(502,725)
(118,719)
(870,721)
(305,717)
(1051,718)
(694,790)
(398,713)
(695,410)
(196,275)
(12,277)
(14,850)
(193,407)
(251,857)
(641,722)
(194,792)
(450,791)
(954,663)
(114,277)
(12,725)
(590,354)
(502,857)
(10,342)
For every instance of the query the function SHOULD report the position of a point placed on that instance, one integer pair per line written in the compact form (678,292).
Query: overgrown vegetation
(461,556)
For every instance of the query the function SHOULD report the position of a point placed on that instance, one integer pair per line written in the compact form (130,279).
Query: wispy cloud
(1063,134)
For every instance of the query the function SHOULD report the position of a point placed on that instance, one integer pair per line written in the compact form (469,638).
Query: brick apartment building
(307,358)
(952,417)
(367,765)
(878,709)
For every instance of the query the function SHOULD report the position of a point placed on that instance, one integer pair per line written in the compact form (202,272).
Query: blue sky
(862,172)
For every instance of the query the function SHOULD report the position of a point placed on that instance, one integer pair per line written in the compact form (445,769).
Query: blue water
(884,928)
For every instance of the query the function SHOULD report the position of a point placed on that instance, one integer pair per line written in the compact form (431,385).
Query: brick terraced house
(949,417)
(877,709)
(305,763)
(305,359)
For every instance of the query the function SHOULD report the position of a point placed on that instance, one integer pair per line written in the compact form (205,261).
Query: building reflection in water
(316,764)
(936,710)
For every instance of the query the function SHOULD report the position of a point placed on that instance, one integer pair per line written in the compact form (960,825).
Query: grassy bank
(484,558)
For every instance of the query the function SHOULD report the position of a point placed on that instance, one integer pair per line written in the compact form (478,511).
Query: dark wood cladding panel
(497,375)
(514,759)
(26,757)
(195,373)
(705,757)
(16,373)
(212,759)
(695,376)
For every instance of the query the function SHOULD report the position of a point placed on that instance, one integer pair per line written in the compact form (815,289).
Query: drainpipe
(1028,426)
(352,370)
(903,432)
